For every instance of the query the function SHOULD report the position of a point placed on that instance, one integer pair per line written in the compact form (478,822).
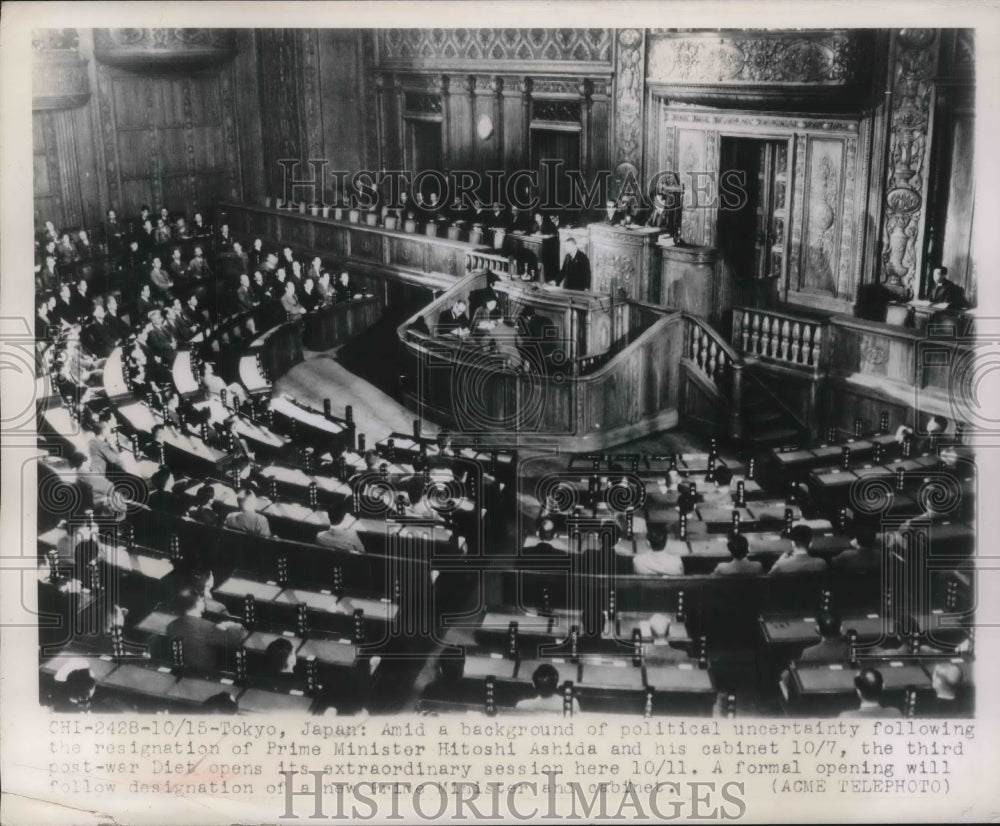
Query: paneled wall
(169,140)
(315,105)
(531,84)
(146,116)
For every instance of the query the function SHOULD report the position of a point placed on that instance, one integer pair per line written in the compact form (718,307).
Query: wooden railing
(476,261)
(718,364)
(781,337)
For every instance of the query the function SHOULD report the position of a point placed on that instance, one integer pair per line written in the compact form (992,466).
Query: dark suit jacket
(827,651)
(575,272)
(947,292)
(206,647)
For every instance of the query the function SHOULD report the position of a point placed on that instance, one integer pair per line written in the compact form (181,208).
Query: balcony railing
(781,337)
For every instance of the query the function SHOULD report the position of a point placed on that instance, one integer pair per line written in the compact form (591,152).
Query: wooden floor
(377,414)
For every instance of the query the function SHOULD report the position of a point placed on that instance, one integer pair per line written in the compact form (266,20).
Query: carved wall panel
(913,64)
(824,195)
(59,80)
(822,70)
(629,94)
(763,57)
(168,139)
(412,46)
(692,167)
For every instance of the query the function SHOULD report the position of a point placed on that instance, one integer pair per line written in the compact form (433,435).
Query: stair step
(773,436)
(764,416)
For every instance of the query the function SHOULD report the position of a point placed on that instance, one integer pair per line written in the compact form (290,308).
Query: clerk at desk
(575,271)
(944,294)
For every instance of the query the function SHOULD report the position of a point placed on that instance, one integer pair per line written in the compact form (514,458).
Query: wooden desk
(538,252)
(834,678)
(258,701)
(803,630)
(687,281)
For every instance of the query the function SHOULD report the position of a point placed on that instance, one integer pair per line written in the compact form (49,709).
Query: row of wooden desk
(149,687)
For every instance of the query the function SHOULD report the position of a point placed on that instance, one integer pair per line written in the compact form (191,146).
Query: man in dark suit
(833,646)
(869,684)
(82,303)
(454,320)
(207,646)
(161,343)
(95,336)
(944,294)
(575,272)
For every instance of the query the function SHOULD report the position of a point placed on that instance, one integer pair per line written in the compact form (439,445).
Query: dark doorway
(424,145)
(553,145)
(752,214)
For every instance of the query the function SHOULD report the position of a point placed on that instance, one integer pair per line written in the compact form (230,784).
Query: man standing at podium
(575,271)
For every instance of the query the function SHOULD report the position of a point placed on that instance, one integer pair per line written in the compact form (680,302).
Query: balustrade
(783,338)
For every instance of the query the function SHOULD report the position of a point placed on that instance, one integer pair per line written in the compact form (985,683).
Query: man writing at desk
(944,294)
(575,271)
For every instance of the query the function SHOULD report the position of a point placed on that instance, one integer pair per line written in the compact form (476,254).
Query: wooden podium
(625,260)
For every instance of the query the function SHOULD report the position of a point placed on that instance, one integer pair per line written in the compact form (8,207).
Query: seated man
(155,447)
(344,289)
(202,511)
(944,294)
(454,321)
(545,679)
(657,562)
(290,302)
(863,554)
(798,560)
(833,646)
(935,428)
(207,646)
(280,660)
(338,536)
(946,680)
(247,519)
(869,684)
(161,279)
(198,578)
(739,564)
(197,267)
(163,498)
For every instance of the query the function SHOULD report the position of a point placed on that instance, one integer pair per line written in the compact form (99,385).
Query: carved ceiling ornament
(183,48)
(914,63)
